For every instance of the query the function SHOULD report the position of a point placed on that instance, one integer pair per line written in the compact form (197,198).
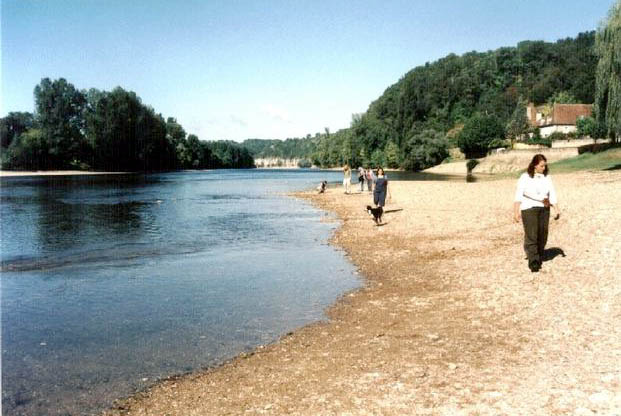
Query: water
(111,282)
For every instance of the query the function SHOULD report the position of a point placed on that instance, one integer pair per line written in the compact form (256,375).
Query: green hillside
(431,103)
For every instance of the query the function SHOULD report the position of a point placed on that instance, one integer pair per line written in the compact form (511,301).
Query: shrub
(478,133)
(538,140)
(29,151)
(496,143)
(471,164)
(557,135)
(424,150)
(586,126)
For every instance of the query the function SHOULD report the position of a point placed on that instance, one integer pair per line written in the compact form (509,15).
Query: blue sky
(259,69)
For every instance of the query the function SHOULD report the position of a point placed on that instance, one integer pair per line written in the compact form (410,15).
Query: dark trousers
(379,198)
(536,221)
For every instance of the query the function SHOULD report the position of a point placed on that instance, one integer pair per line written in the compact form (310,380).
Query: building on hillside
(561,118)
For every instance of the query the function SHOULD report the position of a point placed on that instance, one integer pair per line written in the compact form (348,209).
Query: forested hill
(447,92)
(433,101)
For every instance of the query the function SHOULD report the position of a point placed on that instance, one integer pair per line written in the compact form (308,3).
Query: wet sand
(450,320)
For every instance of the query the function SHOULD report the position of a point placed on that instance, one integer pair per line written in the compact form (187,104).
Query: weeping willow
(608,75)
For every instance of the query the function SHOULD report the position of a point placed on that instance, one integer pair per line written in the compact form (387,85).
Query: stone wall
(573,142)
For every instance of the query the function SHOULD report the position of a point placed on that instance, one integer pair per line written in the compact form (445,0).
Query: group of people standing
(366,177)
(376,182)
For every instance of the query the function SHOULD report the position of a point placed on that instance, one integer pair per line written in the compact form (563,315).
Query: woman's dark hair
(536,159)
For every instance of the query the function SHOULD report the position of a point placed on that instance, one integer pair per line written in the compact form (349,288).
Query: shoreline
(448,321)
(16,173)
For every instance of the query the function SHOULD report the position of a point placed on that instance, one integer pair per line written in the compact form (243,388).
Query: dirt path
(450,322)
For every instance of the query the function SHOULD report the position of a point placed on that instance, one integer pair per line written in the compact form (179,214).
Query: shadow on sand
(551,253)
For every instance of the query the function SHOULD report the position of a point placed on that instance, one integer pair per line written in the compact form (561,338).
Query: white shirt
(536,188)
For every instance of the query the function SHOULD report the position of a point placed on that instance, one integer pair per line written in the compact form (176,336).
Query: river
(112,282)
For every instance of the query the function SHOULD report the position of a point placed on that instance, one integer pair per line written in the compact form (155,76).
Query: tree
(425,149)
(607,107)
(128,136)
(193,153)
(347,151)
(518,124)
(13,125)
(112,130)
(586,126)
(60,114)
(175,134)
(562,97)
(391,151)
(28,151)
(229,155)
(478,133)
(378,158)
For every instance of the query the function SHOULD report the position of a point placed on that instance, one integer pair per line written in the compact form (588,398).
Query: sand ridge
(449,322)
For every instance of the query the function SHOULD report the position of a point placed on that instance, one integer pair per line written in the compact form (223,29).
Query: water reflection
(52,221)
(108,282)
(65,225)
(471,178)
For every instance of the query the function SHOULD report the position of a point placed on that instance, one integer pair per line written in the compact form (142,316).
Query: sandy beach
(450,321)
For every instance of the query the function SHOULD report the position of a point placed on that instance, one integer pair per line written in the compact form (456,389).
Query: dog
(376,213)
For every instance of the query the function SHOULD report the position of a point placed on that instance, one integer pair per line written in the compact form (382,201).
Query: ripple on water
(107,283)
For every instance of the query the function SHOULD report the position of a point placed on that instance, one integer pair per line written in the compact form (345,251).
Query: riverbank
(450,320)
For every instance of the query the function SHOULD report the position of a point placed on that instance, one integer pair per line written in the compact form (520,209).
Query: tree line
(477,102)
(105,130)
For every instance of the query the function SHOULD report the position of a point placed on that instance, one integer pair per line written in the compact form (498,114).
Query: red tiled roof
(568,113)
(561,114)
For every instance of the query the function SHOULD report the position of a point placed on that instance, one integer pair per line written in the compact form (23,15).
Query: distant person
(370,179)
(381,189)
(347,178)
(534,196)
(321,188)
(361,176)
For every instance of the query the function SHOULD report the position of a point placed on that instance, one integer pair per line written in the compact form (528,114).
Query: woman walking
(347,178)
(534,196)
(361,176)
(381,189)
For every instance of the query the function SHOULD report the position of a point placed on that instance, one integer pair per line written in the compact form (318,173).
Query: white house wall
(548,130)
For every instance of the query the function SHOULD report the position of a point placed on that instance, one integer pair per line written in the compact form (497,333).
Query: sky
(273,69)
